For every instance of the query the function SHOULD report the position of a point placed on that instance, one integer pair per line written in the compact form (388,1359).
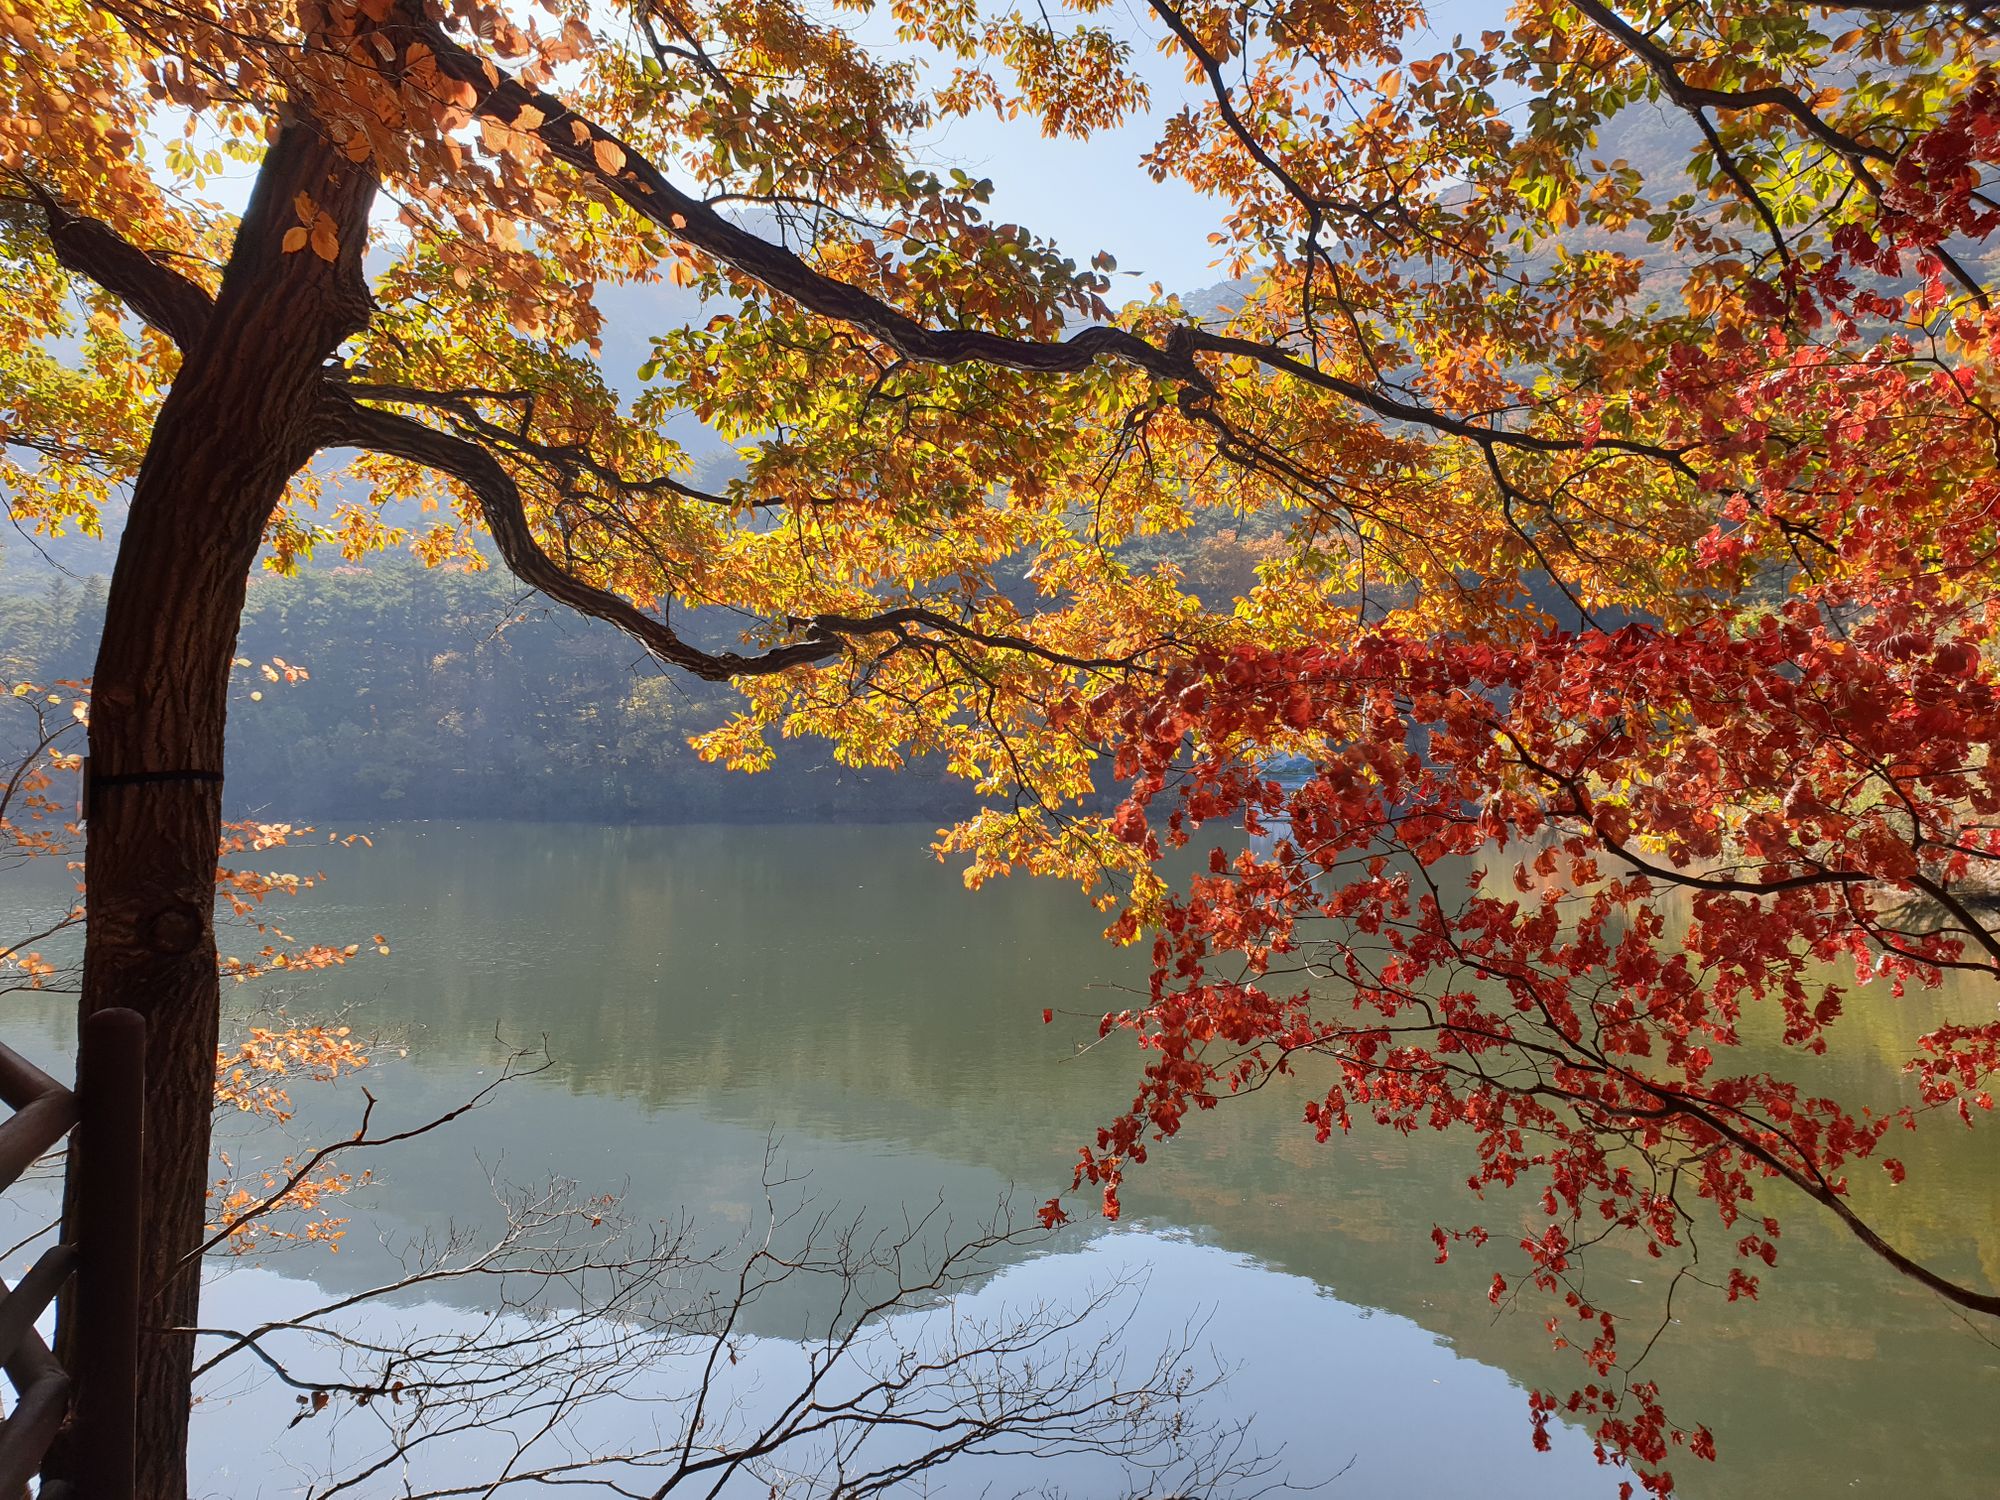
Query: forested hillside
(455,695)
(447,693)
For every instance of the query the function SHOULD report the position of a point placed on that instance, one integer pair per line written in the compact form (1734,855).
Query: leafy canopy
(1610,395)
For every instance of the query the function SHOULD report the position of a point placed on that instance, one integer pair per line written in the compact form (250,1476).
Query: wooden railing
(106,1109)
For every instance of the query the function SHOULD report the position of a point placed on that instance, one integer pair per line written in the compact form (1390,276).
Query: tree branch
(567,459)
(1692,97)
(345,422)
(348,423)
(157,293)
(181,309)
(642,187)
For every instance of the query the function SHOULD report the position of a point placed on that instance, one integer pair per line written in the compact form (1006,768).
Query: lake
(705,991)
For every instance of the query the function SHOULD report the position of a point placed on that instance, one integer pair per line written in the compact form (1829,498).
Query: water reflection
(702,989)
(1333,1390)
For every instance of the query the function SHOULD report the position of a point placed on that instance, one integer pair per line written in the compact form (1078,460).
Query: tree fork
(237,425)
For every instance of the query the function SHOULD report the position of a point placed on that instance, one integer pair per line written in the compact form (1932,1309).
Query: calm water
(702,990)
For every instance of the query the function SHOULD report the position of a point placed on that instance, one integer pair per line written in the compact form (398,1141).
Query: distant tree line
(457,695)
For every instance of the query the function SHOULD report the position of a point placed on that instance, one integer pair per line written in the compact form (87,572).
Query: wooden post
(111,1090)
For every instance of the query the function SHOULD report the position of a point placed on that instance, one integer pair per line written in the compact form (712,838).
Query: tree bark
(237,424)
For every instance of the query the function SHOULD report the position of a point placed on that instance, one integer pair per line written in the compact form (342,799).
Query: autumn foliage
(293,1200)
(262,1206)
(1608,397)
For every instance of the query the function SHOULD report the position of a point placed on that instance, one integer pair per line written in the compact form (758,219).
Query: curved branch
(1395,410)
(1225,108)
(182,310)
(345,422)
(642,187)
(1823,1193)
(568,459)
(162,296)
(581,143)
(1692,97)
(913,614)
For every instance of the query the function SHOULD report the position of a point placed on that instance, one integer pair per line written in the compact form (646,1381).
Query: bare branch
(644,1332)
(360,1140)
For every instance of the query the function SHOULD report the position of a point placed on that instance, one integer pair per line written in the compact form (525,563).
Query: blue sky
(1092,195)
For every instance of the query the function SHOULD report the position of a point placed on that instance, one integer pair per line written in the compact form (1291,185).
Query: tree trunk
(236,426)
